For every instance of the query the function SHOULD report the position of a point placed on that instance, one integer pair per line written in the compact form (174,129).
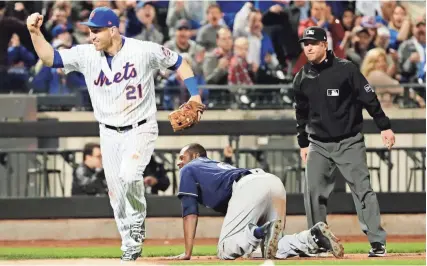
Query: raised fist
(34,22)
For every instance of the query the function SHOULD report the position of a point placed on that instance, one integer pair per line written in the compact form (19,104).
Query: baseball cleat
(319,253)
(273,231)
(131,255)
(324,238)
(377,250)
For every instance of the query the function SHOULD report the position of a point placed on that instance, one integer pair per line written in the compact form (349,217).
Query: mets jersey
(211,182)
(122,93)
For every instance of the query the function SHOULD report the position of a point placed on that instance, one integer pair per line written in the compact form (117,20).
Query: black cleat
(377,250)
(324,238)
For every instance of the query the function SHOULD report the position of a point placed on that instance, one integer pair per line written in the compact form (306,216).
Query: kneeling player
(254,204)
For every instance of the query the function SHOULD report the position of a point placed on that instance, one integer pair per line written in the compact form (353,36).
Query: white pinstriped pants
(124,157)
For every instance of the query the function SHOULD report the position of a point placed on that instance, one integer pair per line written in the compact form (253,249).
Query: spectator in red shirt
(321,16)
(347,20)
(238,71)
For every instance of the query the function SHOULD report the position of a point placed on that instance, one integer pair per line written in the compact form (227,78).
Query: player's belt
(243,175)
(126,128)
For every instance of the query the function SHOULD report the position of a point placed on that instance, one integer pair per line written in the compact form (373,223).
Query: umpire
(330,94)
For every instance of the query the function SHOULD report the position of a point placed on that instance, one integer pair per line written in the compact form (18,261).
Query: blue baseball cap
(102,17)
(58,29)
(13,54)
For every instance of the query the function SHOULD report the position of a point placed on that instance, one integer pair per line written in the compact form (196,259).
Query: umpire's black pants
(349,155)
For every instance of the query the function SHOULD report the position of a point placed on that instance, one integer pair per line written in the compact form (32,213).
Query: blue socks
(259,232)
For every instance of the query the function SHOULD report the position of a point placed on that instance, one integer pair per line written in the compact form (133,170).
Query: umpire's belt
(334,139)
(126,128)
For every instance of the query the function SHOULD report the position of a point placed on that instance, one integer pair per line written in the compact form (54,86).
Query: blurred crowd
(89,177)
(228,42)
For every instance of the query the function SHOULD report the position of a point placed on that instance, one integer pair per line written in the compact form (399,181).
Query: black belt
(242,175)
(334,139)
(126,128)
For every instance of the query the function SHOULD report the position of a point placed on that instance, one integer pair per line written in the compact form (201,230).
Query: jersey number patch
(131,92)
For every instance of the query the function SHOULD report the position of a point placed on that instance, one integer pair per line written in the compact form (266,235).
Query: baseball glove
(186,116)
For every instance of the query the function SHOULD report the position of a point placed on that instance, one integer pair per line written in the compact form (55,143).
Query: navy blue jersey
(211,182)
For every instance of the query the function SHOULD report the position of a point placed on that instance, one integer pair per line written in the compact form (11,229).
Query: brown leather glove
(186,116)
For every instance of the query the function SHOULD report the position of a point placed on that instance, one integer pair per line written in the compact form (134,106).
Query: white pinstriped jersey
(124,94)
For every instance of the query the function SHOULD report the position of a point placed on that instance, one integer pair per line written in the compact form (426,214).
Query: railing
(220,97)
(48,173)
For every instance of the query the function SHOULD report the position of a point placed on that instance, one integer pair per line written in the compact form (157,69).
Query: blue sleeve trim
(57,60)
(191,84)
(189,205)
(177,64)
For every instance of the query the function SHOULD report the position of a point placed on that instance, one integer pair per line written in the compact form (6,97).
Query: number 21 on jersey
(133,93)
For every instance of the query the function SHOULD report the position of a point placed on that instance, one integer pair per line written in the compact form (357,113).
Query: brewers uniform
(121,89)
(247,198)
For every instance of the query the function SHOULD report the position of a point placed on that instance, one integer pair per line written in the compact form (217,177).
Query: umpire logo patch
(333,92)
(368,88)
(309,32)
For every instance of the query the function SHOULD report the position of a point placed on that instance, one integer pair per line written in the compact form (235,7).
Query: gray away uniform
(249,198)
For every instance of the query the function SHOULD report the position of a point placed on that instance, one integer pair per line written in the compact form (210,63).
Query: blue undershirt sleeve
(189,205)
(57,60)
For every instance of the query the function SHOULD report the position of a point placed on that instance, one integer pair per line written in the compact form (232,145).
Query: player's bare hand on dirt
(303,154)
(182,256)
(34,22)
(388,138)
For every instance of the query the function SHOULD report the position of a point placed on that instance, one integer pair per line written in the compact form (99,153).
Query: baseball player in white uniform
(119,76)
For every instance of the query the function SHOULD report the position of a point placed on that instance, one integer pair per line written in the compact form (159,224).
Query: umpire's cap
(102,17)
(315,34)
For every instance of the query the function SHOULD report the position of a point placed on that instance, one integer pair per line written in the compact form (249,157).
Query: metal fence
(48,173)
(221,97)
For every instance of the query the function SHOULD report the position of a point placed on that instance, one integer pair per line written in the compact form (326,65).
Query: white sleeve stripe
(188,194)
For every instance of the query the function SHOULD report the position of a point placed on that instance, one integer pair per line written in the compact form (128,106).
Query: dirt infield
(157,242)
(195,259)
(200,259)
